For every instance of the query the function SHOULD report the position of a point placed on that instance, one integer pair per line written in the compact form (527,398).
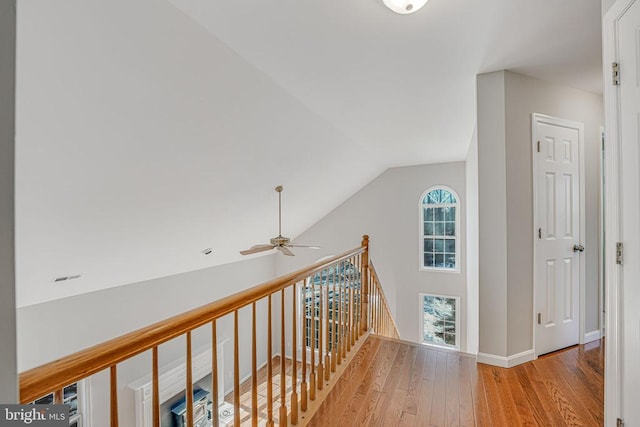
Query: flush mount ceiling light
(404,7)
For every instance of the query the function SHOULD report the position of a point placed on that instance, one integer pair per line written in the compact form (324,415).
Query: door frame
(613,272)
(542,118)
(601,234)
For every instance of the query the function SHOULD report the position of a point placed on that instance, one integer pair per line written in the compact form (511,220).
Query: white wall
(8,378)
(506,101)
(387,209)
(50,330)
(492,214)
(473,246)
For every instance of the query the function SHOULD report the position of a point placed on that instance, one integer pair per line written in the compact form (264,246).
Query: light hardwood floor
(394,383)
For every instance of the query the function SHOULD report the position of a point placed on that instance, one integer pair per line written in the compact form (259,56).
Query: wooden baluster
(376,305)
(327,361)
(58,396)
(155,405)
(384,322)
(303,325)
(381,310)
(334,313)
(339,318)
(270,422)
(114,396)
(379,307)
(373,308)
(189,388)
(320,382)
(236,372)
(347,322)
(364,280)
(294,361)
(312,353)
(215,404)
(343,319)
(370,304)
(254,370)
(352,305)
(359,297)
(282,421)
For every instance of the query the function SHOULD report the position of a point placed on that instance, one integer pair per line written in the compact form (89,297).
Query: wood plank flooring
(246,393)
(395,383)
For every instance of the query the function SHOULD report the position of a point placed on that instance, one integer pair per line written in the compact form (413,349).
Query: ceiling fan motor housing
(280,241)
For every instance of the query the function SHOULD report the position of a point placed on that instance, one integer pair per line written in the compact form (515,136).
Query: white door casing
(558,229)
(622,107)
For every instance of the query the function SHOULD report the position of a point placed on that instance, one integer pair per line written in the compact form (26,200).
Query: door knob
(578,248)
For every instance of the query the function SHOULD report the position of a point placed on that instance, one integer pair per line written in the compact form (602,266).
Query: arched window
(439,247)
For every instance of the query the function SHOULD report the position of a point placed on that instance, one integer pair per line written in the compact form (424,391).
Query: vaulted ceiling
(149,130)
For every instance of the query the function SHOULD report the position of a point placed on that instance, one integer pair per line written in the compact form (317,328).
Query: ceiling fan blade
(295,245)
(285,251)
(257,248)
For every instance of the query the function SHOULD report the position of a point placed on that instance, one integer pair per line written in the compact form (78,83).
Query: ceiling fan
(280,243)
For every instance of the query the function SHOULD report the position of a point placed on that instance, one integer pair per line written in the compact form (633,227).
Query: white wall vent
(66,278)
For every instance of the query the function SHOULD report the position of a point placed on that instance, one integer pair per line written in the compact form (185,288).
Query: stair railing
(382,321)
(339,300)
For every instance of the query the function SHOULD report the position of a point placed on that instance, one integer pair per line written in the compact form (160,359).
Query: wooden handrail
(39,381)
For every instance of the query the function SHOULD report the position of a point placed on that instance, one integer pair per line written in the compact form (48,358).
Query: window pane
(47,400)
(438,229)
(450,260)
(428,245)
(450,213)
(450,245)
(428,260)
(450,229)
(450,339)
(438,245)
(428,228)
(432,198)
(438,214)
(428,214)
(439,320)
(439,260)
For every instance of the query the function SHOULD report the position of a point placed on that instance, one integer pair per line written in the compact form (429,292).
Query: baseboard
(592,336)
(506,362)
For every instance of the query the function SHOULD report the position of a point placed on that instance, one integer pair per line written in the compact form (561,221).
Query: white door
(557,158)
(629,127)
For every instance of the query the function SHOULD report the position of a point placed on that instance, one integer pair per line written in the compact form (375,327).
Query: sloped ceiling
(148,130)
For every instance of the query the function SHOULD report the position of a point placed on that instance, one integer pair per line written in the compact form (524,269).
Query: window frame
(82,399)
(421,320)
(421,205)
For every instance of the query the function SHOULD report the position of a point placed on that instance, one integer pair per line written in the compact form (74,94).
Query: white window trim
(421,320)
(421,266)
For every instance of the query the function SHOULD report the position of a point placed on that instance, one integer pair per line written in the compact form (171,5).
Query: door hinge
(619,423)
(539,233)
(618,252)
(538,146)
(615,74)
(539,318)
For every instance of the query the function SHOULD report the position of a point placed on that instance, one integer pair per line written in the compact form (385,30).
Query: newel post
(364,283)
